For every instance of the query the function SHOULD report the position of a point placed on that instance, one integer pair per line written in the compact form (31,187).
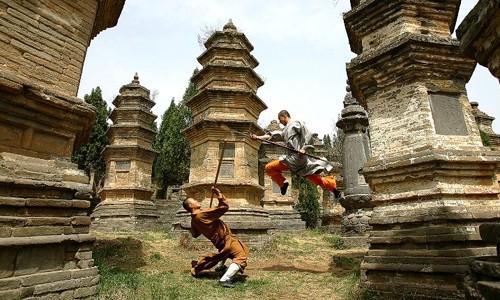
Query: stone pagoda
(45,245)
(125,200)
(430,174)
(226,107)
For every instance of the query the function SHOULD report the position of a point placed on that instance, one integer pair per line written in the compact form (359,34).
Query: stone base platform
(483,280)
(117,215)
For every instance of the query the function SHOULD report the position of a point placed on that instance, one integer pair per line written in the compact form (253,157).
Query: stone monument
(355,152)
(226,108)
(430,174)
(125,200)
(45,245)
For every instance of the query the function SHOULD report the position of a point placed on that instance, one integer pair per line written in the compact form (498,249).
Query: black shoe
(284,188)
(221,268)
(226,284)
(337,193)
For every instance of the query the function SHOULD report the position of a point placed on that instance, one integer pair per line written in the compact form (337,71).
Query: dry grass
(152,265)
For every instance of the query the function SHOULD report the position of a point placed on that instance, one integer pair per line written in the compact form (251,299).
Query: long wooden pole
(291,149)
(218,169)
(273,143)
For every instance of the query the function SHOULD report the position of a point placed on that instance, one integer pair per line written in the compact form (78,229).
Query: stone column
(431,176)
(125,200)
(45,245)
(227,108)
(355,152)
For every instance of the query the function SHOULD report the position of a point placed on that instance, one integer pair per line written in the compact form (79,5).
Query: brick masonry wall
(46,41)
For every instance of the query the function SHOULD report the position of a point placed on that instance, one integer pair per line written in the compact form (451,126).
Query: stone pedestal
(432,179)
(125,200)
(226,108)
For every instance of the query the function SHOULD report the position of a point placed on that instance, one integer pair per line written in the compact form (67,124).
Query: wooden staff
(225,127)
(218,169)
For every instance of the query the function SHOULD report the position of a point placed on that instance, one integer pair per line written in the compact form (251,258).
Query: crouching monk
(207,222)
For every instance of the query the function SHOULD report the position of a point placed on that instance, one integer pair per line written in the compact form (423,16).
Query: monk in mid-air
(207,222)
(297,137)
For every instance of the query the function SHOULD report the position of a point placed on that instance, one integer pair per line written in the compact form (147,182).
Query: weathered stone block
(30,260)
(44,277)
(56,286)
(10,294)
(9,283)
(85,291)
(90,272)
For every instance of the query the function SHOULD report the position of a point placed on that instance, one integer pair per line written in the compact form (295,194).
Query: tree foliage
(88,157)
(171,166)
(327,141)
(308,204)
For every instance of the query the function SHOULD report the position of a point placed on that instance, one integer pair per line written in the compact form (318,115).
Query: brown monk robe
(208,223)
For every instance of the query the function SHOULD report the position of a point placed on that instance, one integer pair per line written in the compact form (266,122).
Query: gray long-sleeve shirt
(297,136)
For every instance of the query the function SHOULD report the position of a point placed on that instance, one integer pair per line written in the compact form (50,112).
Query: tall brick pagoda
(125,199)
(431,176)
(45,244)
(227,102)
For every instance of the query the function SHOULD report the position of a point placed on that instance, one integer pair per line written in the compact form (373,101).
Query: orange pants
(276,167)
(233,249)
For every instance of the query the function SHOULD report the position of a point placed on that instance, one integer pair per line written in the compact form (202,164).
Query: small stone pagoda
(125,200)
(430,174)
(355,152)
(226,108)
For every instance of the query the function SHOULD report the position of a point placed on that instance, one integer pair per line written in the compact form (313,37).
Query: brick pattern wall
(46,41)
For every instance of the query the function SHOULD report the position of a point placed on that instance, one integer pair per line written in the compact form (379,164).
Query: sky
(302,49)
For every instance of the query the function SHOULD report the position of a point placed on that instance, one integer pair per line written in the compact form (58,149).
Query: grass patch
(153,265)
(335,241)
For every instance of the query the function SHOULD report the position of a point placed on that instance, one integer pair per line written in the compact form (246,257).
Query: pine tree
(327,141)
(171,166)
(89,157)
(308,204)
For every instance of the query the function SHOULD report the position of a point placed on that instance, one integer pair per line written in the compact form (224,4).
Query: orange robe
(207,222)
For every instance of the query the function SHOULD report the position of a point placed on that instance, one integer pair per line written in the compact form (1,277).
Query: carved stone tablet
(447,114)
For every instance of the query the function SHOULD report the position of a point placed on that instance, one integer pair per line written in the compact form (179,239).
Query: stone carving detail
(447,114)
